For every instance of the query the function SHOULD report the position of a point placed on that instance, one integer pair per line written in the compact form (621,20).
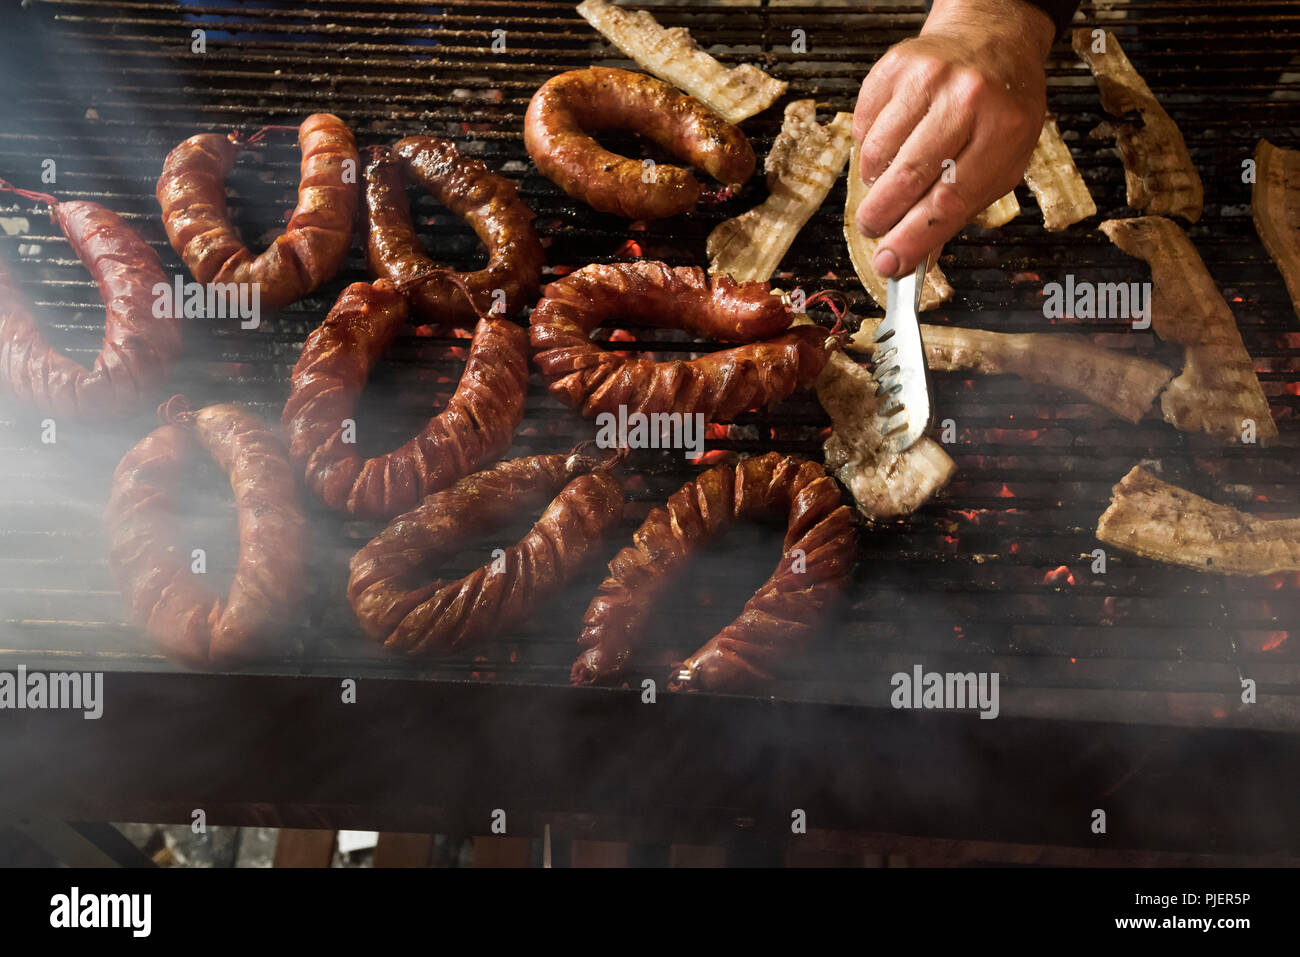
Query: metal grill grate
(105,90)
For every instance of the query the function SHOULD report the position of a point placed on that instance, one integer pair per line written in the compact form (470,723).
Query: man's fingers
(942,214)
(877,87)
(887,134)
(940,136)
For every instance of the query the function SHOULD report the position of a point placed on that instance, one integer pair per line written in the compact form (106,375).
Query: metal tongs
(902,379)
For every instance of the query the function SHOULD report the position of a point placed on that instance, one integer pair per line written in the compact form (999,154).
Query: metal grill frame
(1171,660)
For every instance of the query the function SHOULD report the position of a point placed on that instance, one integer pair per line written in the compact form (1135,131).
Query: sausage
(138,347)
(312,248)
(165,598)
(776,623)
(721,385)
(477,425)
(468,189)
(600,98)
(441,616)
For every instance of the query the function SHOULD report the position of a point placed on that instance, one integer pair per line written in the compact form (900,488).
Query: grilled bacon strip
(477,425)
(884,484)
(1217,391)
(998,213)
(1275,204)
(720,385)
(735,93)
(441,616)
(1126,385)
(314,245)
(1163,522)
(780,619)
(1055,181)
(601,98)
(165,598)
(468,189)
(806,159)
(138,349)
(935,289)
(1158,171)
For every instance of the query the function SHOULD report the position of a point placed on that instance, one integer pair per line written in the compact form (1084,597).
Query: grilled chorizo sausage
(777,622)
(164,597)
(468,189)
(138,349)
(443,616)
(477,425)
(720,385)
(601,98)
(314,245)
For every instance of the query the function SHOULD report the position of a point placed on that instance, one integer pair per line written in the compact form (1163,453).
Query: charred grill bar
(1119,689)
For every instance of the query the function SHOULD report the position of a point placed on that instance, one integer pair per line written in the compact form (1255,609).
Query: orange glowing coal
(1273,640)
(1059,575)
(1006,492)
(630,248)
(717,430)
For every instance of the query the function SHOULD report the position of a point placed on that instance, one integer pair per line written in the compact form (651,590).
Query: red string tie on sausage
(239,139)
(713,197)
(442,272)
(838,304)
(580,453)
(8,187)
(177,411)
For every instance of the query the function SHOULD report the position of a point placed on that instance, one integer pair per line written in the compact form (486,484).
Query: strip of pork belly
(1126,385)
(1055,181)
(1275,203)
(1217,390)
(1158,170)
(1163,522)
(806,159)
(861,249)
(998,213)
(885,484)
(734,93)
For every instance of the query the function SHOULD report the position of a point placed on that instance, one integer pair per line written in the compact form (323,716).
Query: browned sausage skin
(720,385)
(477,425)
(777,622)
(567,106)
(314,245)
(443,616)
(165,598)
(139,347)
(468,189)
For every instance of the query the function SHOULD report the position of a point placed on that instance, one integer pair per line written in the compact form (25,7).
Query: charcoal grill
(1119,689)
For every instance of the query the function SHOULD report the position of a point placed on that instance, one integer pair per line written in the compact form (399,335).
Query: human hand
(947,122)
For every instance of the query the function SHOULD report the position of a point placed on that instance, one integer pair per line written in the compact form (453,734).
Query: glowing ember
(1006,492)
(1058,575)
(712,458)
(630,248)
(561,270)
(1274,640)
(959,631)
(424,332)
(716,430)
(1015,548)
